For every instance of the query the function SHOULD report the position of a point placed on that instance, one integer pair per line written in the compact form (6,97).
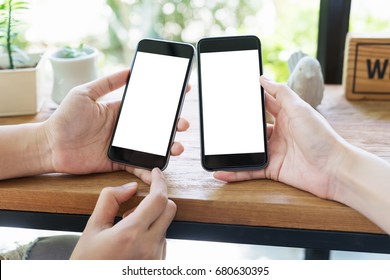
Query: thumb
(108,204)
(282,93)
(102,86)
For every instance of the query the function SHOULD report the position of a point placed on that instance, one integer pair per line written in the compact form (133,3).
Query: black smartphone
(231,99)
(151,104)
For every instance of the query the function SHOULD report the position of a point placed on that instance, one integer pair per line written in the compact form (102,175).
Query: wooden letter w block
(366,73)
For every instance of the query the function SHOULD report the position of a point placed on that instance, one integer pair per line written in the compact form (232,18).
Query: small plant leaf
(22,54)
(73,52)
(9,19)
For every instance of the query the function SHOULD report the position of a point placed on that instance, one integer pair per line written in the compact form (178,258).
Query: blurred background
(115,26)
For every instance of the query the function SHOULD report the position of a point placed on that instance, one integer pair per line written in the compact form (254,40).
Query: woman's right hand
(139,235)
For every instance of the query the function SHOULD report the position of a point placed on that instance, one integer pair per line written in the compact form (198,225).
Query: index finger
(153,205)
(282,93)
(109,202)
(104,85)
(230,176)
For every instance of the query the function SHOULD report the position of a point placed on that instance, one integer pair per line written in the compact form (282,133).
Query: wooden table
(254,212)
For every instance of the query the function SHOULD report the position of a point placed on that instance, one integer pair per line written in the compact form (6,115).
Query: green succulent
(73,52)
(9,10)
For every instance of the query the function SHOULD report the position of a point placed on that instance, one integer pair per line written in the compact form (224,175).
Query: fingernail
(156,169)
(130,185)
(159,172)
(265,79)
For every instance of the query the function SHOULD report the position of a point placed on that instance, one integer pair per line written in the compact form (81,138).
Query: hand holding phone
(151,104)
(232,114)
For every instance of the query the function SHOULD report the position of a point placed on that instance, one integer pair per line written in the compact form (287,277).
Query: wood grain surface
(200,198)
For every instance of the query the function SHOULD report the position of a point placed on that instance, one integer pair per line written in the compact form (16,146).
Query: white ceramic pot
(71,72)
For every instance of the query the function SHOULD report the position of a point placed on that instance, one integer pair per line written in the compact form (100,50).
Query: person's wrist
(43,147)
(346,157)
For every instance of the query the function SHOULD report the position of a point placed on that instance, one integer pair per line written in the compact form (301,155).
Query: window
(115,26)
(369,16)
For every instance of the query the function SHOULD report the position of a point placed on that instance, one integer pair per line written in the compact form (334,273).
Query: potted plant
(72,66)
(20,73)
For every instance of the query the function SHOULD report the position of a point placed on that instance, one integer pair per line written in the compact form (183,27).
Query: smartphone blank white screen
(232,103)
(151,101)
